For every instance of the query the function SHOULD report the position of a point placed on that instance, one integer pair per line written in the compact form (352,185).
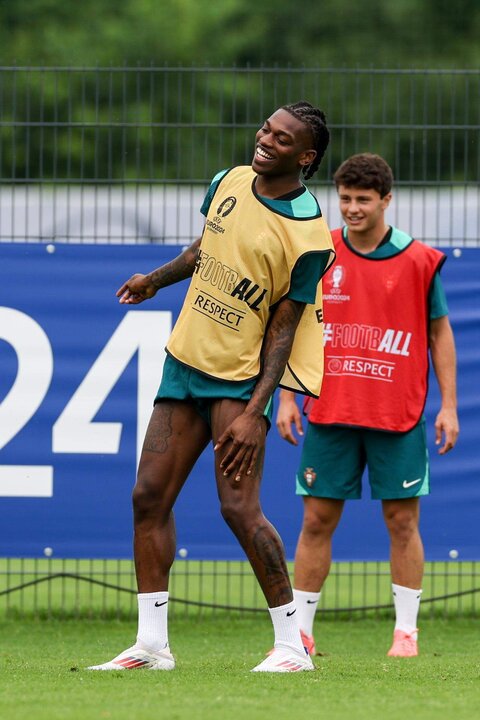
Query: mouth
(263,154)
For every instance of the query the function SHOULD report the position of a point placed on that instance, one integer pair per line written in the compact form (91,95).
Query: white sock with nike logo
(407,605)
(153,620)
(285,627)
(306,603)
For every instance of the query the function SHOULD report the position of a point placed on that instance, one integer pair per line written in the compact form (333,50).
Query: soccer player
(252,305)
(385,310)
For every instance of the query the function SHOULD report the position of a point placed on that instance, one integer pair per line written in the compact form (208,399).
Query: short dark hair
(317,123)
(365,170)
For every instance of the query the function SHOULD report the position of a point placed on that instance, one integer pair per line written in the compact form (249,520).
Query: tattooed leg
(241,510)
(267,557)
(175,438)
(264,550)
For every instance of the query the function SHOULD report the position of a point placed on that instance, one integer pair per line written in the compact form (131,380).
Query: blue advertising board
(78,373)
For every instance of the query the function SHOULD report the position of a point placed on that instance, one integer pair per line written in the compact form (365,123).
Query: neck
(273,187)
(367,242)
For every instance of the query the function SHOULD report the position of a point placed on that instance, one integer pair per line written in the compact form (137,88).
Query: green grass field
(43,676)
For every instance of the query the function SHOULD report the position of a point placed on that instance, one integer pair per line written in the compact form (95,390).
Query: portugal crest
(310,476)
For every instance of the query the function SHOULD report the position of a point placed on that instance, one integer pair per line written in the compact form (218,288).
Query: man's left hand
(246,435)
(446,425)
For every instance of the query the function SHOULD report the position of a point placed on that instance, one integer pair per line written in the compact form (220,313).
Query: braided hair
(317,123)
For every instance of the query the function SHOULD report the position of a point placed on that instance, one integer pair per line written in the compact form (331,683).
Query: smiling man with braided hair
(252,309)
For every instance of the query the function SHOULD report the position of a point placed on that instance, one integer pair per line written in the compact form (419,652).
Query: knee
(319,522)
(402,524)
(146,498)
(230,512)
(237,513)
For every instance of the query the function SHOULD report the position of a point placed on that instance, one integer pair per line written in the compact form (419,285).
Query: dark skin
(177,434)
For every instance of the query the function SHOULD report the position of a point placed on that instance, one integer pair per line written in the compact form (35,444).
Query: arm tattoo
(177,269)
(276,350)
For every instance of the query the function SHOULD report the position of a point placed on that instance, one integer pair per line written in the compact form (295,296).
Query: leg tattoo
(159,430)
(269,559)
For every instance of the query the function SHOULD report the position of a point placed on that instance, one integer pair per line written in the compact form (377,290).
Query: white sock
(285,627)
(407,605)
(153,620)
(306,603)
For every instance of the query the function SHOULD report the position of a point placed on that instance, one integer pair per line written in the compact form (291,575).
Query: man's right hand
(289,415)
(136,290)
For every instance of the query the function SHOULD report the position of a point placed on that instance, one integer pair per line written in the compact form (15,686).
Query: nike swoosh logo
(157,604)
(311,602)
(407,484)
(289,614)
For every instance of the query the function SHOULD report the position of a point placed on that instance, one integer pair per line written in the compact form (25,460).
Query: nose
(265,138)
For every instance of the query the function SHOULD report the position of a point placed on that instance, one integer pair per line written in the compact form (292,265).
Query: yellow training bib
(246,258)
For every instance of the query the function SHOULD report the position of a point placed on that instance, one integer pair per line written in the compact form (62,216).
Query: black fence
(125,154)
(107,588)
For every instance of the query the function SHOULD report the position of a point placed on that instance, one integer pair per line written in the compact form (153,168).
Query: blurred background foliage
(335,33)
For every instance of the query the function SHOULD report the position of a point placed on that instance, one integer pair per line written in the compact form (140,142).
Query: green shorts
(334,458)
(180,382)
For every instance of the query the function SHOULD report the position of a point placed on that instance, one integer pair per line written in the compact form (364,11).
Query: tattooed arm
(276,349)
(247,433)
(144,287)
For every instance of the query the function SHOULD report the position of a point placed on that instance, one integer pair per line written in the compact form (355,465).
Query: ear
(386,201)
(307,157)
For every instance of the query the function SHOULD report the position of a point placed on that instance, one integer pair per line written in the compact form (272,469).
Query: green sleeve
(437,299)
(306,275)
(211,192)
